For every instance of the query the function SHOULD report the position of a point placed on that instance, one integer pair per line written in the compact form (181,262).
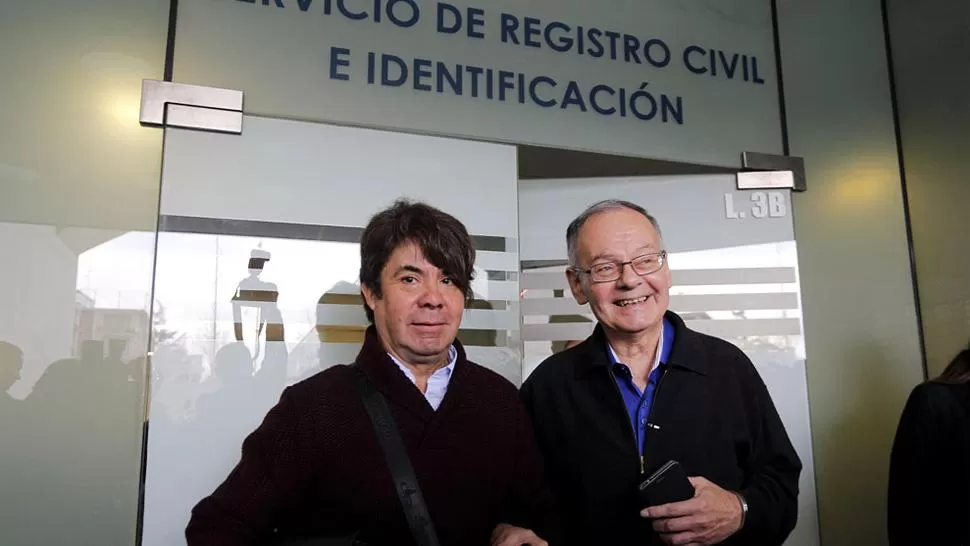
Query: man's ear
(576,286)
(370,297)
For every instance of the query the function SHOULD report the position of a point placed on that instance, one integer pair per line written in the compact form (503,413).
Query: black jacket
(714,416)
(929,473)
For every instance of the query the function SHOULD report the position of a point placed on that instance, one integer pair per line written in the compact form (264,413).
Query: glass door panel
(735,274)
(256,278)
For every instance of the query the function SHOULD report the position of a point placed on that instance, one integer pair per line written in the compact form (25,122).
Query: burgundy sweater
(314,465)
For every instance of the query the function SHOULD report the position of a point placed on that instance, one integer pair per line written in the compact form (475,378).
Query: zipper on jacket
(653,404)
(633,432)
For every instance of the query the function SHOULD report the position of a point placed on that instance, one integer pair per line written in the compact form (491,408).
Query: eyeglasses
(611,271)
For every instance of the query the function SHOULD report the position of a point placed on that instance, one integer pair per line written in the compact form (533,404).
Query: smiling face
(631,305)
(419,310)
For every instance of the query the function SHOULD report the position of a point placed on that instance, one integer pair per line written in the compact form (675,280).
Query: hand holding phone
(668,484)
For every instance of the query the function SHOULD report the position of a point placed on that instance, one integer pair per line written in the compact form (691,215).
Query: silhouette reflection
(11,364)
(11,446)
(199,416)
(257,297)
(69,447)
(339,338)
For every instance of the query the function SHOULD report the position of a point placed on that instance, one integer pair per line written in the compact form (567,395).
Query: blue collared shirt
(438,382)
(638,403)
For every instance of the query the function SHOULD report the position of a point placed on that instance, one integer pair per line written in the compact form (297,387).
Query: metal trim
(760,162)
(763,180)
(209,119)
(167,104)
(173,223)
(904,188)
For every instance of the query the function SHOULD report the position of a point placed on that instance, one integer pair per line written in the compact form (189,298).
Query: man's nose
(432,296)
(629,277)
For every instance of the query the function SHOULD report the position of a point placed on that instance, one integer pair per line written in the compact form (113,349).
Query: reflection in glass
(73,339)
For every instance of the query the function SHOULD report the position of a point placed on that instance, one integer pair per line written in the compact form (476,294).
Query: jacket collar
(394,385)
(686,353)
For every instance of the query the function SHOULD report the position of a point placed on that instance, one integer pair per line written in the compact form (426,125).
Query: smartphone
(668,484)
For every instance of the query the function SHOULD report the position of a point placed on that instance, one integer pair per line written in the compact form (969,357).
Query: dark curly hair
(442,238)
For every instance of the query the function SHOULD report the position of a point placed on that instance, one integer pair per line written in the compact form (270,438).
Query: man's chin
(632,328)
(430,351)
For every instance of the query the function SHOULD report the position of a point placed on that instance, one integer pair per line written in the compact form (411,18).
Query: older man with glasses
(643,393)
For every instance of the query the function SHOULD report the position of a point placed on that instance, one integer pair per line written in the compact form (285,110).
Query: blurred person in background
(929,473)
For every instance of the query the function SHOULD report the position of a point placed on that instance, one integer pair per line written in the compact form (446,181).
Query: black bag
(405,482)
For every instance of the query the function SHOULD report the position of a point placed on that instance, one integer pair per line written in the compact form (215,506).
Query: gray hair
(572,232)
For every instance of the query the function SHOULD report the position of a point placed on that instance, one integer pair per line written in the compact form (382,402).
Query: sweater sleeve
(272,470)
(773,469)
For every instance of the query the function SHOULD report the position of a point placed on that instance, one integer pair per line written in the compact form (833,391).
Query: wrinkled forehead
(618,232)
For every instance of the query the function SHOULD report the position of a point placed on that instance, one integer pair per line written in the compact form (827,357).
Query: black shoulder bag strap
(405,482)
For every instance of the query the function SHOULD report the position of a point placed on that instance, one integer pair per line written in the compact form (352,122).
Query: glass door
(735,274)
(256,278)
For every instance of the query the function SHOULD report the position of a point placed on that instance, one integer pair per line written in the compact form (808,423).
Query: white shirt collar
(439,380)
